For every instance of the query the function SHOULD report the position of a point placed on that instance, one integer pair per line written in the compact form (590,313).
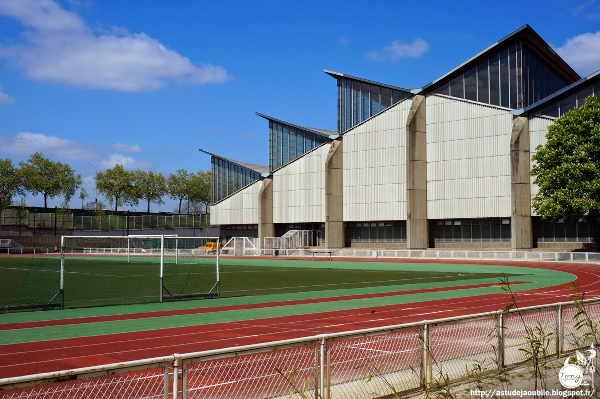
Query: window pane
(551,110)
(365,101)
(504,79)
(512,63)
(292,143)
(342,105)
(374,100)
(355,103)
(582,94)
(456,87)
(299,143)
(348,106)
(386,97)
(567,104)
(279,144)
(444,89)
(397,95)
(482,83)
(494,80)
(284,146)
(471,84)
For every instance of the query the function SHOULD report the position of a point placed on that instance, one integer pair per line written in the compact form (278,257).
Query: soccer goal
(114,270)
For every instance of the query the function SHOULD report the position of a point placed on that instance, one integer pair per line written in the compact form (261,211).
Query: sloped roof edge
(256,168)
(320,132)
(346,76)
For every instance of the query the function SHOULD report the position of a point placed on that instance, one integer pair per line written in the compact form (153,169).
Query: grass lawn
(107,281)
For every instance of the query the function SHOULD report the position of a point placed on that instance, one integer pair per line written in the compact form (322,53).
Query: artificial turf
(111,281)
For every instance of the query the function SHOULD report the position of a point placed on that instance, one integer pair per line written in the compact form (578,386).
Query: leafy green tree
(117,185)
(200,188)
(82,196)
(567,167)
(178,185)
(10,183)
(40,175)
(151,186)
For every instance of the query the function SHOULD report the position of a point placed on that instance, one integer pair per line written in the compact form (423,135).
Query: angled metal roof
(524,32)
(256,168)
(320,132)
(346,76)
(570,89)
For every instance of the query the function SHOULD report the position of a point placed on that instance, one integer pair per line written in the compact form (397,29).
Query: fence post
(425,358)
(500,341)
(560,331)
(176,376)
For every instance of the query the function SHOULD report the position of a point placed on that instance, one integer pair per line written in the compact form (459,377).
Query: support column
(417,236)
(520,188)
(266,227)
(334,196)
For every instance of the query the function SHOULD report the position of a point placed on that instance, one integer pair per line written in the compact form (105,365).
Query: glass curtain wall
(358,101)
(287,143)
(375,232)
(229,177)
(469,231)
(559,107)
(513,78)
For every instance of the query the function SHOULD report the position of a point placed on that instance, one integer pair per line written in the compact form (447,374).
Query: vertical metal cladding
(538,128)
(299,189)
(239,208)
(468,159)
(375,167)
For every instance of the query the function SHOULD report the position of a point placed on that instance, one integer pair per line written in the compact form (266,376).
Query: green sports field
(100,281)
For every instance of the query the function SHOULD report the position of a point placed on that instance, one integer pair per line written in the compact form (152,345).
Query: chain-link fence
(20,221)
(371,363)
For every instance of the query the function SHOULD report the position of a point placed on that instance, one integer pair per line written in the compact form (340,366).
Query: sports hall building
(444,165)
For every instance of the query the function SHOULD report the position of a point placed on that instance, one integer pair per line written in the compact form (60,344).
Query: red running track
(38,357)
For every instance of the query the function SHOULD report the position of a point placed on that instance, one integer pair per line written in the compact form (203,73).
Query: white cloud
(399,49)
(127,162)
(120,147)
(26,143)
(60,47)
(582,52)
(5,98)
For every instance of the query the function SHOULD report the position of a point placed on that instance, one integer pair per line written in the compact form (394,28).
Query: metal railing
(457,254)
(366,363)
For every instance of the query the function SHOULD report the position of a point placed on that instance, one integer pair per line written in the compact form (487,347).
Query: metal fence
(536,256)
(368,363)
(68,221)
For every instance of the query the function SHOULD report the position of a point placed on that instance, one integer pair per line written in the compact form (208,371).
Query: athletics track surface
(36,342)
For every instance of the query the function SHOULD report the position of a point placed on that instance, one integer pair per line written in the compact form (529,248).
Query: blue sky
(147,83)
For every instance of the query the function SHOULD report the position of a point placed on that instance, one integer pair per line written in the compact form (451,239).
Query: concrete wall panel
(375,167)
(468,159)
(239,208)
(299,189)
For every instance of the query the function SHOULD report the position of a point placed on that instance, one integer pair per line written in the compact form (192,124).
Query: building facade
(444,165)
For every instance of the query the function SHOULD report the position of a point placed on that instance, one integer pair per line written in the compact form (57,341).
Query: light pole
(96,186)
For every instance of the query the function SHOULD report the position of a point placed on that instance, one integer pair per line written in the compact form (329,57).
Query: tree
(200,188)
(567,167)
(151,186)
(10,184)
(40,175)
(82,196)
(117,185)
(178,185)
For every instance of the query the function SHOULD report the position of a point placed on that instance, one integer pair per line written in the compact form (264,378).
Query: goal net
(115,270)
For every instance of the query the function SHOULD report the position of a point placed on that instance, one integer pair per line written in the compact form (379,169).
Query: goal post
(117,270)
